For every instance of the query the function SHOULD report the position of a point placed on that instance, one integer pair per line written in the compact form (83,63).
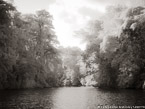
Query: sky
(68,15)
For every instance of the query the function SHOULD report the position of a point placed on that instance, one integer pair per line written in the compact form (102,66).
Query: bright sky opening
(69,16)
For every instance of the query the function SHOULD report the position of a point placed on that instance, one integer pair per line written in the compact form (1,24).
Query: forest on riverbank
(31,57)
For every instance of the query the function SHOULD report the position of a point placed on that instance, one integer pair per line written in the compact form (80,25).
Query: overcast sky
(69,15)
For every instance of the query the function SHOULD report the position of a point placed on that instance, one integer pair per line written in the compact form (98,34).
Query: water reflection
(69,98)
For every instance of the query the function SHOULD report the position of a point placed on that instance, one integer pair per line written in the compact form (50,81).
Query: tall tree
(7,43)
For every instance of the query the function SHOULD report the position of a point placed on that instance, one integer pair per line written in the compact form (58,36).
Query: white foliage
(89,80)
(115,23)
(133,26)
(82,66)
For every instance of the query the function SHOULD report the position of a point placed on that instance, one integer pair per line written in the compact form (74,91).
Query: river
(70,98)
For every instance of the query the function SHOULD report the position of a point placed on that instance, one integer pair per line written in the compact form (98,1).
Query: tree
(70,58)
(28,57)
(118,50)
(7,43)
(130,57)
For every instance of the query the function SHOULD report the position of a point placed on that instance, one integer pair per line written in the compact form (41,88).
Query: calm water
(69,98)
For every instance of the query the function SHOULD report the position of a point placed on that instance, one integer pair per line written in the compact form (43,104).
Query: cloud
(118,2)
(86,11)
(69,15)
(31,6)
(106,2)
(72,15)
